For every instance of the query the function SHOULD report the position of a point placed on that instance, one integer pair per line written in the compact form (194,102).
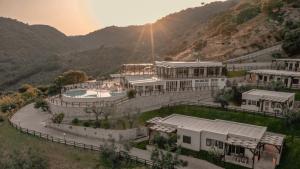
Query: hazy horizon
(79,17)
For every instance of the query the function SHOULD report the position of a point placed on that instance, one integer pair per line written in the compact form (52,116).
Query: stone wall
(143,103)
(128,134)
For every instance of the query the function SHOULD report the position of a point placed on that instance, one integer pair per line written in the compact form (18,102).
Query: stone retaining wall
(143,103)
(128,134)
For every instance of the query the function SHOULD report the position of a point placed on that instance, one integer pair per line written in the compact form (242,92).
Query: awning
(272,139)
(162,128)
(154,120)
(243,143)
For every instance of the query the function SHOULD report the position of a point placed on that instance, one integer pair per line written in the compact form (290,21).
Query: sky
(79,17)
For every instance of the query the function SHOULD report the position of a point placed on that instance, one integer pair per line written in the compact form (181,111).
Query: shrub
(105,124)
(291,42)
(97,124)
(41,103)
(276,55)
(1,119)
(247,14)
(58,118)
(75,121)
(86,124)
(131,93)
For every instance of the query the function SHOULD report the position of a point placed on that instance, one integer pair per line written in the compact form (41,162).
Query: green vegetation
(273,9)
(41,104)
(165,143)
(23,160)
(141,145)
(247,14)
(131,94)
(292,130)
(58,118)
(67,78)
(11,101)
(166,160)
(210,158)
(291,42)
(58,156)
(238,73)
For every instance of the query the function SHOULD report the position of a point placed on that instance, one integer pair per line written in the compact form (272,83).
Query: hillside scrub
(247,14)
(291,42)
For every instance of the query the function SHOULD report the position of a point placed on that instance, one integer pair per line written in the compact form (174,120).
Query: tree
(166,160)
(109,156)
(73,77)
(58,118)
(222,98)
(131,93)
(42,104)
(291,42)
(97,111)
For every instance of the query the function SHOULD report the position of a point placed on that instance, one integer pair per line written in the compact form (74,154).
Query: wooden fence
(121,154)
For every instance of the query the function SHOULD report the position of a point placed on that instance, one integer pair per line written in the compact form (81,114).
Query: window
(186,139)
(220,145)
(243,102)
(249,102)
(208,142)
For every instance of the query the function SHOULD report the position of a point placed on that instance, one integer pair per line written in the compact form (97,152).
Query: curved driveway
(33,119)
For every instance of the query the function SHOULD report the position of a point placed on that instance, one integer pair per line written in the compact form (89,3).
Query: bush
(1,119)
(247,14)
(58,118)
(105,124)
(41,103)
(86,124)
(75,121)
(291,42)
(131,93)
(276,55)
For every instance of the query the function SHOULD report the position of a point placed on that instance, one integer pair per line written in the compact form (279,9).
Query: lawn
(58,156)
(291,151)
(239,73)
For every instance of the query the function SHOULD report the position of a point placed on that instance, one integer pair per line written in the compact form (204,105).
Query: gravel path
(32,119)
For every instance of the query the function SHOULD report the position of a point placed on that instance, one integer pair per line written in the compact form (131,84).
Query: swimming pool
(90,93)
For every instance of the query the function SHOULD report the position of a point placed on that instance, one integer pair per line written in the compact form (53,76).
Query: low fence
(56,100)
(121,154)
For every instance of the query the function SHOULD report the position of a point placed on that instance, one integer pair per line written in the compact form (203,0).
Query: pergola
(247,144)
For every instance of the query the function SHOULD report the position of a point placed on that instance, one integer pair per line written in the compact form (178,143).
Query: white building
(286,64)
(277,103)
(176,76)
(290,79)
(237,143)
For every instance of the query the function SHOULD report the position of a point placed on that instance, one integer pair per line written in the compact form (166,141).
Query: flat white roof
(214,126)
(270,95)
(187,64)
(138,64)
(288,59)
(275,72)
(152,80)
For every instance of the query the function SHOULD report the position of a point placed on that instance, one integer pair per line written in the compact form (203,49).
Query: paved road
(32,119)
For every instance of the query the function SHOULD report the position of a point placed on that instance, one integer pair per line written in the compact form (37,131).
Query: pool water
(83,93)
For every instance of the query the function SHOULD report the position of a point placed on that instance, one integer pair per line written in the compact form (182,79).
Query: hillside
(216,31)
(28,50)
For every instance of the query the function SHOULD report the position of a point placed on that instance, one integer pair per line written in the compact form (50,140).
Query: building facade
(262,77)
(276,103)
(237,143)
(180,76)
(286,64)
